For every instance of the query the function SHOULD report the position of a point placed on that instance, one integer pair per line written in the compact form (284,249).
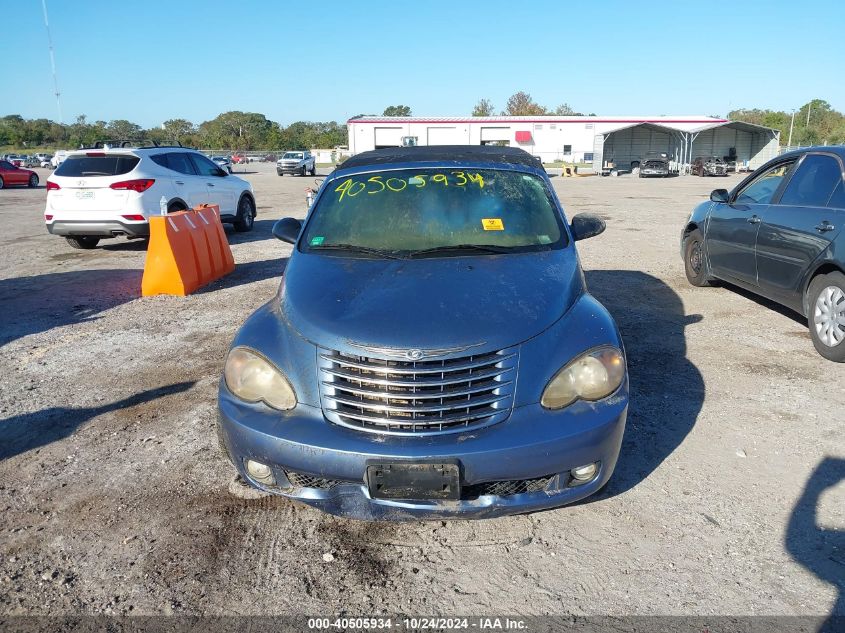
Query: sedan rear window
(459,211)
(108,165)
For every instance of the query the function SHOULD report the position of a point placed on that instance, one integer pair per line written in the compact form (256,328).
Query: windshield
(449,210)
(292,155)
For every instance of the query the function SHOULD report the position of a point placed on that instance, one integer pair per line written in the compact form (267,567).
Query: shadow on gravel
(247,273)
(121,244)
(764,302)
(261,230)
(819,549)
(35,304)
(667,390)
(22,433)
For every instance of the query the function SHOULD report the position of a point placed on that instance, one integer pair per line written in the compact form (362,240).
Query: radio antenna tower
(52,61)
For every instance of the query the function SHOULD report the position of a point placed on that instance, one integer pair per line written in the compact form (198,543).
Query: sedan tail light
(52,185)
(140,185)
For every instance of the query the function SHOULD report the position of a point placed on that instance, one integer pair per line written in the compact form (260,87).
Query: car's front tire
(33,181)
(826,318)
(313,171)
(246,215)
(85,242)
(2,182)
(695,266)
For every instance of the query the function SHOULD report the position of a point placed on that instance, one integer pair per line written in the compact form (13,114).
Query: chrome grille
(417,397)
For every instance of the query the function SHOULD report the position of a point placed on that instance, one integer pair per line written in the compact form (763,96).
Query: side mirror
(222,172)
(287,230)
(719,195)
(586,225)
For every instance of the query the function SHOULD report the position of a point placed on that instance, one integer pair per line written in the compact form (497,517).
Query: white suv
(112,191)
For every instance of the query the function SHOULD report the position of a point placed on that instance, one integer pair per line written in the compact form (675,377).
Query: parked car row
(28,160)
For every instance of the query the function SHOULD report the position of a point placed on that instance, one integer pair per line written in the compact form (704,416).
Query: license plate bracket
(414,481)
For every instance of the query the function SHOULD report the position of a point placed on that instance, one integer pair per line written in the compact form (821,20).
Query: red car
(11,175)
(239,159)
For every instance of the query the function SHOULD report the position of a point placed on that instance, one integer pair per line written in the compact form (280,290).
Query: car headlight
(253,378)
(592,376)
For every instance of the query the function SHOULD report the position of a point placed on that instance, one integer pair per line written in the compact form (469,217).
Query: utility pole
(52,61)
(791,123)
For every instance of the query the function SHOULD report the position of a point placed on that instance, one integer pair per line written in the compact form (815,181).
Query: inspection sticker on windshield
(317,240)
(492,224)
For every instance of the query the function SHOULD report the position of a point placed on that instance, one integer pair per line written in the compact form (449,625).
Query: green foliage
(826,126)
(521,104)
(397,110)
(230,130)
(483,108)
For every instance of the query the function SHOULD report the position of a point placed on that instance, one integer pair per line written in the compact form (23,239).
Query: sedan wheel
(827,315)
(1,182)
(33,180)
(694,265)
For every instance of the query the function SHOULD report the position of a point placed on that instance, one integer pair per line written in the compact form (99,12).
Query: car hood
(491,301)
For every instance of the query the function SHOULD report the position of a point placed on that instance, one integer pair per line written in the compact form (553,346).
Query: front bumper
(532,443)
(105,228)
(289,169)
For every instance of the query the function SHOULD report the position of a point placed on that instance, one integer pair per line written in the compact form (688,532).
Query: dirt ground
(729,497)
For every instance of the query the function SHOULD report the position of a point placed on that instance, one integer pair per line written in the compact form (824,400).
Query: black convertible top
(438,153)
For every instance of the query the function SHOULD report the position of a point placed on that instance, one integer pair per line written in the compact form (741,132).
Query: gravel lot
(729,497)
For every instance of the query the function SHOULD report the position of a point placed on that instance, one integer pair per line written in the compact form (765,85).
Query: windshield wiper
(357,249)
(483,248)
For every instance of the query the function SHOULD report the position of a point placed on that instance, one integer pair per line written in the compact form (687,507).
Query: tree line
(815,123)
(521,104)
(230,130)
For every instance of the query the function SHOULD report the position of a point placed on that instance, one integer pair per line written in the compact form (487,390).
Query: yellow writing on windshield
(377,184)
(492,224)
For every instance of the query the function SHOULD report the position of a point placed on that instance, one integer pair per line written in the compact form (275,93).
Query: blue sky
(148,61)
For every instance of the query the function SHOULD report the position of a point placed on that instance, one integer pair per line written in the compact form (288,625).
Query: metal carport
(754,144)
(628,144)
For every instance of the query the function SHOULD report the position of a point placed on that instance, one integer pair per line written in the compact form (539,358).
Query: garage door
(444,136)
(490,134)
(388,137)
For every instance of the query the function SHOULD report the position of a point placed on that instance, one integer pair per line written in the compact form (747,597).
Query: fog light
(585,473)
(260,472)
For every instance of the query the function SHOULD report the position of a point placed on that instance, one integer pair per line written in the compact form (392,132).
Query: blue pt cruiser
(432,351)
